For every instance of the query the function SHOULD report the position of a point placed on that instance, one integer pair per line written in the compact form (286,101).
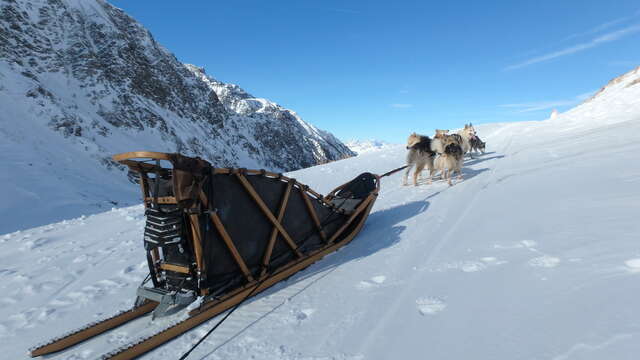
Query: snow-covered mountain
(533,255)
(615,87)
(80,80)
(364,146)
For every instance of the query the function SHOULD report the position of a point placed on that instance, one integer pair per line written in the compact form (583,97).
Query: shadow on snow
(381,231)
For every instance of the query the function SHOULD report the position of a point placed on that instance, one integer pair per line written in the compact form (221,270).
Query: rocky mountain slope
(80,80)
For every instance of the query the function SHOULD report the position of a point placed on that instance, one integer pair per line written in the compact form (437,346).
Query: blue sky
(382,69)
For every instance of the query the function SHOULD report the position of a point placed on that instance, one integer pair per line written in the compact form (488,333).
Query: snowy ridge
(363,146)
(80,80)
(260,112)
(533,255)
(617,84)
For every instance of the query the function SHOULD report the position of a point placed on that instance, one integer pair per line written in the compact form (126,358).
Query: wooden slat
(95,330)
(312,213)
(197,242)
(230,245)
(143,185)
(217,222)
(163,200)
(141,155)
(222,171)
(274,233)
(140,166)
(268,214)
(175,268)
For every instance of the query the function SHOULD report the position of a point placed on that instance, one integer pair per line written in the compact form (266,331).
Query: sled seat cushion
(348,205)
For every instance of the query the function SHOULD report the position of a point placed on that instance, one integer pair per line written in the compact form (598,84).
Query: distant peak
(625,80)
(196,69)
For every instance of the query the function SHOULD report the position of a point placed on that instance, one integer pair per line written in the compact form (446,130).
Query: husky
(420,155)
(477,145)
(465,136)
(441,133)
(450,160)
(437,144)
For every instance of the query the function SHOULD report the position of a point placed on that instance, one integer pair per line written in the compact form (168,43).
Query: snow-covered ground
(534,255)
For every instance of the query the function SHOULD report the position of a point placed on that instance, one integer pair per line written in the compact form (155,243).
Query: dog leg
(406,175)
(419,168)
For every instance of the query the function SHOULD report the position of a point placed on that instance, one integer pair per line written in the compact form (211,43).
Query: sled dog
(419,156)
(437,144)
(477,145)
(465,136)
(450,160)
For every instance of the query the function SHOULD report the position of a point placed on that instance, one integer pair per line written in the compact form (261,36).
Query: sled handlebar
(141,155)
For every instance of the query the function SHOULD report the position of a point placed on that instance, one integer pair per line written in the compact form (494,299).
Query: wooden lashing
(312,213)
(274,233)
(175,268)
(197,242)
(217,222)
(230,245)
(268,214)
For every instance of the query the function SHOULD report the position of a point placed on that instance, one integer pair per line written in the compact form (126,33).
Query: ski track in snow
(533,255)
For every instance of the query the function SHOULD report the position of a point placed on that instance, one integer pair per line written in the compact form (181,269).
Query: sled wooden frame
(278,230)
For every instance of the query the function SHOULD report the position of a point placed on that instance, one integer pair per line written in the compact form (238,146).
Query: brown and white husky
(450,160)
(419,156)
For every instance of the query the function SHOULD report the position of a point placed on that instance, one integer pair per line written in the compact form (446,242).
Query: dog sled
(220,236)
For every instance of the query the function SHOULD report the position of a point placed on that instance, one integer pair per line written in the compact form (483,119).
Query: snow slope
(534,255)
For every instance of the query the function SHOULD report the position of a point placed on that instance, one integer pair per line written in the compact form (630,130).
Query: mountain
(364,146)
(533,255)
(616,86)
(81,80)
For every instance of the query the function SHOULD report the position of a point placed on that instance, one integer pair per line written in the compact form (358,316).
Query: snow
(365,146)
(533,255)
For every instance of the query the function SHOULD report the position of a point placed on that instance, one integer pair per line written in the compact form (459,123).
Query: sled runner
(223,235)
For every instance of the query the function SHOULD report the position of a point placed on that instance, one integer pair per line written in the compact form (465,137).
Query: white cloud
(401,106)
(547,105)
(609,37)
(602,27)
